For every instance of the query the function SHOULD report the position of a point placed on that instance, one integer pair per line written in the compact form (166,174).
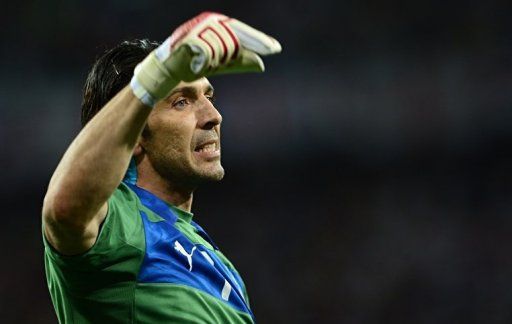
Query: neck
(178,197)
(165,189)
(172,191)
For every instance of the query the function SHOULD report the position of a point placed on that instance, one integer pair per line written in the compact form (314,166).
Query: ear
(138,150)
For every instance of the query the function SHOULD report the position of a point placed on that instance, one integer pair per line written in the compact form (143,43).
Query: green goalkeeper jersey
(150,264)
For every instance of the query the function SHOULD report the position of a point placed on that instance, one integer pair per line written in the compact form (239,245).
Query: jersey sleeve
(120,233)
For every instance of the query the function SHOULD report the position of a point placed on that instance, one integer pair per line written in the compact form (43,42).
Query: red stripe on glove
(232,35)
(200,35)
(187,26)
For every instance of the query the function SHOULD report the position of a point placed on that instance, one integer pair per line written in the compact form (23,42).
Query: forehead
(188,89)
(200,85)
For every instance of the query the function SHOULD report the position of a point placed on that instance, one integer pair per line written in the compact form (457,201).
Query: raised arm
(94,164)
(90,170)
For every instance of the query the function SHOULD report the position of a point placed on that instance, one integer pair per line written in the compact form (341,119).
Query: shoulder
(119,226)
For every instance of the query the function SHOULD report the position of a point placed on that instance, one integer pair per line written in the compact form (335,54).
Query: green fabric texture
(100,285)
(195,306)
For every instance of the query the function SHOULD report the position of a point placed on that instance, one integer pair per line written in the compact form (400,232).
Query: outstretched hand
(208,44)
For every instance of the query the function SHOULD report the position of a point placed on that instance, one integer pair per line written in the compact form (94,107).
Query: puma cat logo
(178,247)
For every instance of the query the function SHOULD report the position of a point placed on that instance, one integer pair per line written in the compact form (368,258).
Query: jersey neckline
(148,196)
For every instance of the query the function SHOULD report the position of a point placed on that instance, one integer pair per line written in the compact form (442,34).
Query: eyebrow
(189,91)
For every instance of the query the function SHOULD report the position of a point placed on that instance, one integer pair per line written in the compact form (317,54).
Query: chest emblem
(178,247)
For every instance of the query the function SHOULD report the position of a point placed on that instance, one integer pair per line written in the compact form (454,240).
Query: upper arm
(90,171)
(68,236)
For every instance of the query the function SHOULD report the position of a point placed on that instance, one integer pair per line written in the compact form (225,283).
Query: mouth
(208,150)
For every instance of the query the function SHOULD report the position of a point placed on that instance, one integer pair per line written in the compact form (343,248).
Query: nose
(209,116)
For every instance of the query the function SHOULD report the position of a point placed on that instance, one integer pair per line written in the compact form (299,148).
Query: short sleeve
(120,233)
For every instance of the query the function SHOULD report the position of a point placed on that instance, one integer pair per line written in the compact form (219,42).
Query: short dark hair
(111,72)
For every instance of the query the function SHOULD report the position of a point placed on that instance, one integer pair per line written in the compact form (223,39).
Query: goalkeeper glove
(206,45)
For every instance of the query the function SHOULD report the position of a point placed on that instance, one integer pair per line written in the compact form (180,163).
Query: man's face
(182,137)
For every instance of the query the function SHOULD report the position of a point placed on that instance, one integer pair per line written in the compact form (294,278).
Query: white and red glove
(208,44)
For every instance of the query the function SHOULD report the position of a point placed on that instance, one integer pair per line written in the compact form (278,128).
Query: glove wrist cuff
(151,81)
(141,93)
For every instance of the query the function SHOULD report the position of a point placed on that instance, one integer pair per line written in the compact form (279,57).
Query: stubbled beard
(183,174)
(172,164)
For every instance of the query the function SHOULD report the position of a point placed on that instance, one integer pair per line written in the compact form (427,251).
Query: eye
(180,103)
(211,98)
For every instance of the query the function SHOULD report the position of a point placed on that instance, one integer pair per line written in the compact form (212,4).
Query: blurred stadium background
(368,171)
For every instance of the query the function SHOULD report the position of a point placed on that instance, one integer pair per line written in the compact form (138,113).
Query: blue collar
(159,207)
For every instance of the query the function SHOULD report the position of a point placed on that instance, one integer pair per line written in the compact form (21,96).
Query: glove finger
(246,62)
(226,42)
(199,58)
(212,47)
(254,40)
(189,61)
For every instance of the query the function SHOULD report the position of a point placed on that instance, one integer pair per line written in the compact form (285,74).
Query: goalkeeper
(120,242)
